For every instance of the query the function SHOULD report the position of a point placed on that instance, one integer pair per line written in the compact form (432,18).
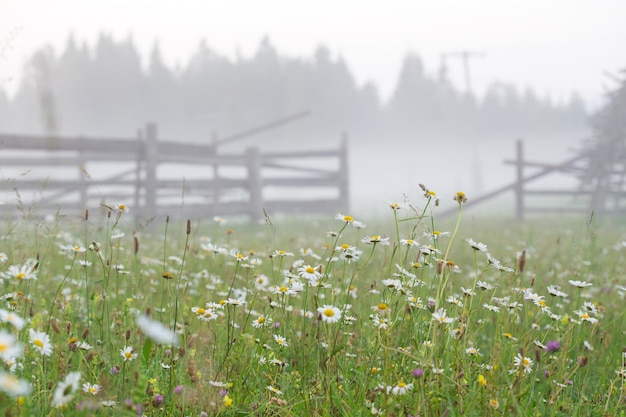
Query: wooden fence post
(255,186)
(139,158)
(82,168)
(151,154)
(344,178)
(216,171)
(519,185)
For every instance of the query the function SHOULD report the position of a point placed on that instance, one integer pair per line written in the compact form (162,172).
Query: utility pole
(465,56)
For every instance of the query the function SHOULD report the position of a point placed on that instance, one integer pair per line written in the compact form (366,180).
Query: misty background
(427,132)
(428,127)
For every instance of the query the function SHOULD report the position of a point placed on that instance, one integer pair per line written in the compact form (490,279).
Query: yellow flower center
(281,252)
(329,312)
(348,218)
(201,310)
(585,316)
(431,194)
(375,237)
(92,390)
(283,289)
(261,320)
(122,206)
(345,246)
(437,233)
(222,302)
(128,354)
(38,343)
(526,362)
(382,306)
(310,270)
(76,247)
(401,384)
(4,347)
(239,256)
(20,275)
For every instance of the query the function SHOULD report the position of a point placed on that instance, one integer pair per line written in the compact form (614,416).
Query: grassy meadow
(406,316)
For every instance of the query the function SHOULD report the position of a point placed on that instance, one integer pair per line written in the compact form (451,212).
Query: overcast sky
(554,46)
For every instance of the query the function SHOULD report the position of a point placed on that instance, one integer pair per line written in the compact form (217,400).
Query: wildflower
(9,346)
(156,331)
(329,314)
(621,373)
(3,257)
(274,390)
(408,242)
(436,234)
(579,284)
(349,220)
(523,362)
(91,388)
(417,373)
(379,322)
(587,345)
(441,316)
(400,388)
(482,381)
(218,220)
(555,291)
(309,273)
(13,386)
(494,403)
(261,321)
(430,194)
(11,318)
(228,402)
(478,246)
(584,316)
(65,389)
(460,197)
(374,239)
(472,351)
(280,253)
(381,308)
(484,285)
(41,342)
(121,208)
(552,346)
(24,272)
(128,354)
(490,307)
(281,341)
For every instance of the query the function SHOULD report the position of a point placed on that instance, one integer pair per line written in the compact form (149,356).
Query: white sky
(555,46)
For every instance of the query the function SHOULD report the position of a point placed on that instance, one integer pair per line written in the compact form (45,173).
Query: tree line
(106,91)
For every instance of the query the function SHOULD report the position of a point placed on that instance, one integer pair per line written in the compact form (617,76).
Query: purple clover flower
(552,346)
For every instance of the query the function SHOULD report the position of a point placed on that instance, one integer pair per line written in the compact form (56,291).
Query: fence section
(158,177)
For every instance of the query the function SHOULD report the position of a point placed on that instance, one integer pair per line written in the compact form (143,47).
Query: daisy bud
(86,214)
(127,334)
(55,326)
(521,262)
(68,327)
(188,226)
(136,244)
(85,333)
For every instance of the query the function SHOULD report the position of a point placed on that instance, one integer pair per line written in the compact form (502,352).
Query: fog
(437,122)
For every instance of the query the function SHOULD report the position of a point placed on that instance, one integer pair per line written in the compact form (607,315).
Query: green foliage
(416,318)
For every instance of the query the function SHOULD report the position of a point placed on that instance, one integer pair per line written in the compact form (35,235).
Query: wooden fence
(155,177)
(602,194)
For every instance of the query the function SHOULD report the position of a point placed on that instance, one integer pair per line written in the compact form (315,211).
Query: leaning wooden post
(255,186)
(151,155)
(519,185)
(343,178)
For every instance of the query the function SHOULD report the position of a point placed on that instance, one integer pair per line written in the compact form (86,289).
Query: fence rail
(75,173)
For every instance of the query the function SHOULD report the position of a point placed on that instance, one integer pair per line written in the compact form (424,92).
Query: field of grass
(407,316)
